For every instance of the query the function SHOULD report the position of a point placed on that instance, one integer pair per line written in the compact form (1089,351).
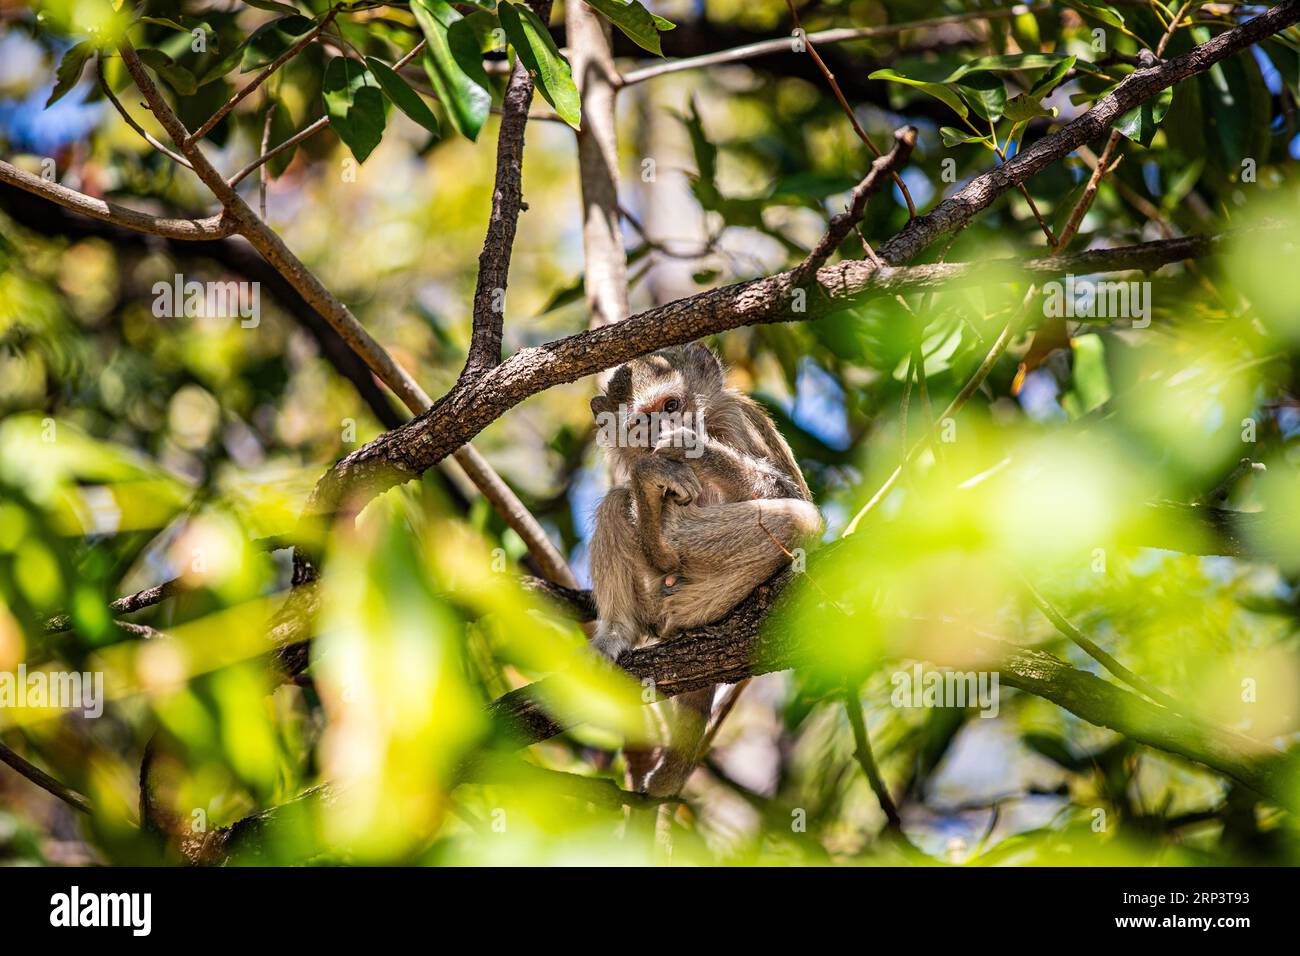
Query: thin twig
(265,171)
(867,760)
(839,35)
(262,77)
(840,226)
(43,780)
(1093,650)
(844,105)
(130,120)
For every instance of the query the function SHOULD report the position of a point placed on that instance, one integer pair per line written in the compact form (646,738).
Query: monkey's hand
(681,443)
(669,478)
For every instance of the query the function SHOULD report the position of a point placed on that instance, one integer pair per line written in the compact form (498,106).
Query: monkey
(706,500)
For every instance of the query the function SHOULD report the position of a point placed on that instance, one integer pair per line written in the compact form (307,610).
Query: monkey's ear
(599,405)
(701,359)
(619,388)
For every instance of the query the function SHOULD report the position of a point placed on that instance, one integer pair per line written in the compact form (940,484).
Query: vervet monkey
(705,496)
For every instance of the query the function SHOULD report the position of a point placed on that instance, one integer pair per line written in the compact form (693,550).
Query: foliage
(139,447)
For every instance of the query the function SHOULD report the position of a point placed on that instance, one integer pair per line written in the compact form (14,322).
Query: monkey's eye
(672,405)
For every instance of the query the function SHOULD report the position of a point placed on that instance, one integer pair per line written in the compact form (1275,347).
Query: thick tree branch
(405,453)
(748,642)
(1136,88)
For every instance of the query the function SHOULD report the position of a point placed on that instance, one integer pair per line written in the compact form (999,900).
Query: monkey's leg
(618,571)
(688,716)
(726,551)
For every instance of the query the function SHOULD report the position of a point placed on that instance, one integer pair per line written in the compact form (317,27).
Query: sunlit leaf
(454,65)
(549,69)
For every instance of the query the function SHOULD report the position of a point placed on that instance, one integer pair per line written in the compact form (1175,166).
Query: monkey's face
(656,397)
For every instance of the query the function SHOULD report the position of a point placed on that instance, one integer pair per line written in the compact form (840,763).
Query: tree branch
(507,201)
(43,780)
(762,48)
(262,77)
(273,249)
(840,226)
(605,259)
(1136,88)
(213,227)
(403,454)
(748,642)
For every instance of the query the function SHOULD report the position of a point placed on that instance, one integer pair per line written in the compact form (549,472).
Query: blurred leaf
(271,39)
(177,77)
(1091,380)
(275,6)
(69,71)
(1107,15)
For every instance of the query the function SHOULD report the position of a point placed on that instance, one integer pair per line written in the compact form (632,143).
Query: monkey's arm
(655,479)
(616,560)
(748,477)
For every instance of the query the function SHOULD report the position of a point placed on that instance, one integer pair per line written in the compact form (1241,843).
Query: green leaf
(178,78)
(1104,14)
(355,105)
(400,92)
(454,65)
(637,23)
(937,90)
(165,22)
(985,93)
(550,71)
(273,5)
(1008,62)
(1049,81)
(1024,107)
(1182,184)
(1140,123)
(956,137)
(271,39)
(69,71)
(1091,380)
